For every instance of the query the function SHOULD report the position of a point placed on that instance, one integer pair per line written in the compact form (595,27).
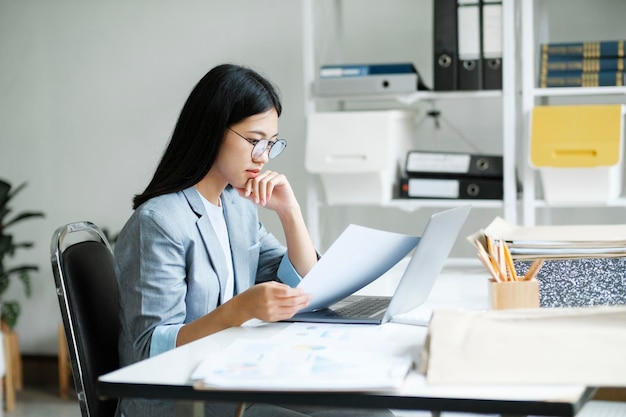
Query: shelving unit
(532,12)
(509,105)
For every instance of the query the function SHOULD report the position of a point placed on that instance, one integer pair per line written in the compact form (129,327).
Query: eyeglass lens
(276,148)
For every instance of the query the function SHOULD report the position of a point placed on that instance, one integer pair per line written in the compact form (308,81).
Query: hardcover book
(565,63)
(583,79)
(594,49)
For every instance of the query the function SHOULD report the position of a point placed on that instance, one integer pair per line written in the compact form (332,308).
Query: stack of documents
(583,345)
(557,242)
(305,358)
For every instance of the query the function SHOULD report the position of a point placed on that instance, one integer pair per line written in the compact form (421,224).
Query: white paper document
(358,256)
(305,358)
(557,242)
(605,234)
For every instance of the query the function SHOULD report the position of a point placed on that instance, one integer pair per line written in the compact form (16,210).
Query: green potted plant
(10,309)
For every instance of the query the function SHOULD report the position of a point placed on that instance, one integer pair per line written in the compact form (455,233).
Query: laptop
(429,257)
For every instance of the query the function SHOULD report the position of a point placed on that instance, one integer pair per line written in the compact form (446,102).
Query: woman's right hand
(273,301)
(268,301)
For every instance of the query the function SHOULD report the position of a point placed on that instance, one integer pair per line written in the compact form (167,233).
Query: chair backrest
(84,274)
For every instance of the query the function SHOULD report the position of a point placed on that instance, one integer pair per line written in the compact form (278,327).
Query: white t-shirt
(216,217)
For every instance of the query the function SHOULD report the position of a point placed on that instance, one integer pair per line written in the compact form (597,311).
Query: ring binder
(491,15)
(453,164)
(469,38)
(462,188)
(445,45)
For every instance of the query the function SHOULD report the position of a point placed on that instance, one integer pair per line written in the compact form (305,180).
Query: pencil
(502,259)
(490,262)
(486,260)
(509,261)
(533,270)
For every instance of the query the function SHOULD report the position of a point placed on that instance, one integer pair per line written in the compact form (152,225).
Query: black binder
(453,164)
(445,45)
(463,188)
(491,27)
(469,41)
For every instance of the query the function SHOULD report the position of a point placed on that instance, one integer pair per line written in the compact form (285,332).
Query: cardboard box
(358,154)
(578,150)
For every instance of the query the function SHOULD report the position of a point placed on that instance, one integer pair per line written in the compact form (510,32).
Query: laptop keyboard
(366,307)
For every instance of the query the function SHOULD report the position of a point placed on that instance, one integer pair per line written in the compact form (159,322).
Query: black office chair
(84,274)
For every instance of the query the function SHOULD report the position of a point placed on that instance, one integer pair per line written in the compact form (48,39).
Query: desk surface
(462,283)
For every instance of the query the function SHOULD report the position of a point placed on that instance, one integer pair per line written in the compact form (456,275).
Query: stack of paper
(533,346)
(298,361)
(557,242)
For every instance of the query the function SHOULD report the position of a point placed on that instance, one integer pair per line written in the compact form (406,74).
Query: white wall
(89,93)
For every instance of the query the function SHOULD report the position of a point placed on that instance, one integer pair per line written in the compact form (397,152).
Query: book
(591,49)
(583,79)
(566,63)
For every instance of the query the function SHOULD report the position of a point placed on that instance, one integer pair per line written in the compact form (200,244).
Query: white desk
(462,283)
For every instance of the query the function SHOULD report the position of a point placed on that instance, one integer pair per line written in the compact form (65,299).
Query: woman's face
(234,163)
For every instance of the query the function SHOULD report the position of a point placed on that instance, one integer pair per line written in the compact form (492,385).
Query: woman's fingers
(273,301)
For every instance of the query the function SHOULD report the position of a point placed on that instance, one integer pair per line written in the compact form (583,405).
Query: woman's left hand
(270,190)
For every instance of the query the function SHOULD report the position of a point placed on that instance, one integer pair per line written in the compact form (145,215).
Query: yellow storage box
(578,150)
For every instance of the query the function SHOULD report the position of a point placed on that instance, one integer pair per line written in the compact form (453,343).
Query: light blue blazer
(171,268)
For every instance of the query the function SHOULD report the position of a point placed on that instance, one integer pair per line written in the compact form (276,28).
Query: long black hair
(226,95)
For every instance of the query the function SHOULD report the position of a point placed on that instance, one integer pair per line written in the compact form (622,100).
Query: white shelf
(508,205)
(578,91)
(417,203)
(412,204)
(411,98)
(619,202)
(534,28)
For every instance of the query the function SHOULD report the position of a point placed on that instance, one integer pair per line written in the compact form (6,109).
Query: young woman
(193,259)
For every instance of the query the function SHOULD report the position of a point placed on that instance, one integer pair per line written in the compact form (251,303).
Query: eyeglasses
(261,145)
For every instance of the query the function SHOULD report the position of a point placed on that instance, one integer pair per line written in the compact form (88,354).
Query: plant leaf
(23,245)
(4,211)
(10,312)
(23,216)
(4,282)
(6,245)
(16,190)
(5,188)
(23,275)
(22,268)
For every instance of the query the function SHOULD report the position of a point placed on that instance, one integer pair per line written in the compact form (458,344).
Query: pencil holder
(519,294)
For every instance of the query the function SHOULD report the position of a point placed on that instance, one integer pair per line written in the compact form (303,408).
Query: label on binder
(431,188)
(438,162)
(461,187)
(453,164)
